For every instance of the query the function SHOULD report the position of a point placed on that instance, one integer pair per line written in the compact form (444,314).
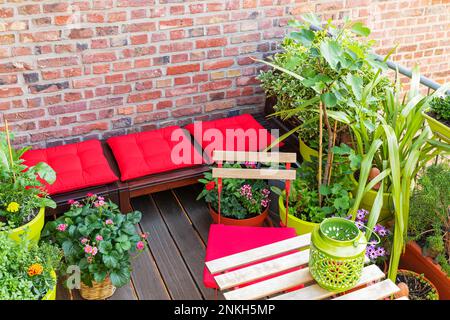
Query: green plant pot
(32,229)
(368,199)
(439,129)
(307,152)
(51,294)
(300,226)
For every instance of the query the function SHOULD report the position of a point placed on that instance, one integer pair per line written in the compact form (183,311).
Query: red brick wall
(72,70)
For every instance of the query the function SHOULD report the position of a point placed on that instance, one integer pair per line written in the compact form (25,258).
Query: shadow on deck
(172,265)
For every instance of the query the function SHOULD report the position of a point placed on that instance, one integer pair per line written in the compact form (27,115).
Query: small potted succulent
(428,251)
(99,239)
(243,202)
(307,206)
(438,117)
(22,196)
(27,269)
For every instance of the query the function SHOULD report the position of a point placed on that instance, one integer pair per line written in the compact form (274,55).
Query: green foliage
(429,222)
(441,108)
(16,280)
(304,197)
(396,141)
(240,198)
(98,238)
(330,68)
(18,185)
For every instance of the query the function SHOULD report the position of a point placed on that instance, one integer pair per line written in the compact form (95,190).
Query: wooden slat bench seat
(277,287)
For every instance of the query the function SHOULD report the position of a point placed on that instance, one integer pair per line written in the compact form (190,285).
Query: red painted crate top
(250,134)
(77,166)
(224,240)
(150,152)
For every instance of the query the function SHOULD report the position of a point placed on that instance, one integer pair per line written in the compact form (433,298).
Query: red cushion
(226,240)
(251,137)
(150,152)
(77,166)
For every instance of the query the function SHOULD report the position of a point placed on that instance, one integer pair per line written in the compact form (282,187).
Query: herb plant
(26,268)
(240,198)
(98,238)
(429,222)
(22,194)
(440,109)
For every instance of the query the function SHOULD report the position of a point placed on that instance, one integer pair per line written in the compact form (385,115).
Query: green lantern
(337,254)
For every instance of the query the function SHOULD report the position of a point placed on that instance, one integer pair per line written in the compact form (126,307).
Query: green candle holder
(337,254)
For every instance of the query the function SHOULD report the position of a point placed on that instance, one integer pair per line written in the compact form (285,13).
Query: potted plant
(27,269)
(96,237)
(395,141)
(418,287)
(314,70)
(22,196)
(438,117)
(243,202)
(428,251)
(307,206)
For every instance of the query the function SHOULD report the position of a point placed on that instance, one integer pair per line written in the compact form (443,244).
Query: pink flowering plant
(240,198)
(98,238)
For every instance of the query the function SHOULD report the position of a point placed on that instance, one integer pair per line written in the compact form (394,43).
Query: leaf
(119,278)
(69,248)
(311,18)
(329,99)
(359,29)
(341,203)
(332,52)
(356,84)
(45,172)
(324,190)
(110,261)
(100,276)
(304,36)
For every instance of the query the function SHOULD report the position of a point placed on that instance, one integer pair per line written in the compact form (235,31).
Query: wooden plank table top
(286,276)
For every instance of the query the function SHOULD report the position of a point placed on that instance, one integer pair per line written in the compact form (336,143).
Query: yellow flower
(13,207)
(35,269)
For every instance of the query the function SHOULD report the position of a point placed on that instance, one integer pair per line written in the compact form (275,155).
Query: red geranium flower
(210,185)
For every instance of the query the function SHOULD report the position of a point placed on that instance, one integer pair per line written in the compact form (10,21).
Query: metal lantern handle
(356,243)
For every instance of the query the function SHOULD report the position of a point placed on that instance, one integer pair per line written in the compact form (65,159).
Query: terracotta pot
(417,275)
(414,260)
(256,221)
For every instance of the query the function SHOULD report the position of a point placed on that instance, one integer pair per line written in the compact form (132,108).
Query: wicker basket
(98,291)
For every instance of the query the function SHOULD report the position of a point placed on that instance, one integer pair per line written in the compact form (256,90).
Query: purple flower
(381,251)
(264,203)
(361,214)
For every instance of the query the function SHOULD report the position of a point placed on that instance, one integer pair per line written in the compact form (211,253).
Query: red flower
(210,185)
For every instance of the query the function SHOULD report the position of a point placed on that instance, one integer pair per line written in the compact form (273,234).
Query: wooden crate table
(286,272)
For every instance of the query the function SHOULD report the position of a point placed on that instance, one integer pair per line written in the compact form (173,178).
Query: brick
(10,92)
(49,87)
(221,64)
(28,9)
(57,62)
(56,7)
(9,79)
(215,85)
(208,43)
(178,91)
(87,128)
(139,27)
(219,105)
(145,96)
(186,68)
(24,115)
(7,39)
(82,33)
(176,23)
(99,57)
(117,16)
(84,83)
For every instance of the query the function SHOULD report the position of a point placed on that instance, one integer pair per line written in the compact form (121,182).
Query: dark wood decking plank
(196,210)
(186,237)
(124,293)
(175,273)
(147,279)
(62,293)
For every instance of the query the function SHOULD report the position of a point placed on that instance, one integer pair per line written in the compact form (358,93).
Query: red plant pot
(256,221)
(414,260)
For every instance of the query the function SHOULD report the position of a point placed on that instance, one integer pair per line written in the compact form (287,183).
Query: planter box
(414,260)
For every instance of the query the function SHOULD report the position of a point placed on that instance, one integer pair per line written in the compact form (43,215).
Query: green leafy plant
(440,109)
(397,142)
(240,198)
(304,197)
(98,238)
(323,70)
(21,193)
(26,268)
(429,222)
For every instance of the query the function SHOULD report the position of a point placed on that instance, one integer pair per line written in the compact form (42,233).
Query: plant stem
(330,146)
(10,149)
(332,155)
(319,174)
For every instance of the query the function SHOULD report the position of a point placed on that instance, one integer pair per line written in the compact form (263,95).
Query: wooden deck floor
(172,265)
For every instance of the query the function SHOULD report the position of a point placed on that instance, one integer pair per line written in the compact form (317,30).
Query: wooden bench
(371,286)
